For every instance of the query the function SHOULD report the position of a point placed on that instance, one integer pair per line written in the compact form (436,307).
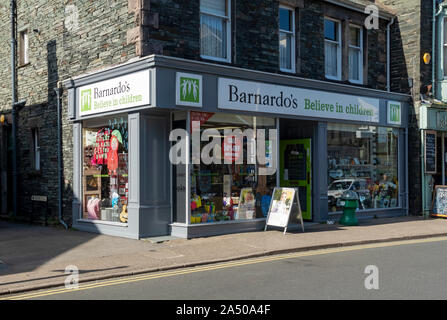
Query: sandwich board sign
(283,200)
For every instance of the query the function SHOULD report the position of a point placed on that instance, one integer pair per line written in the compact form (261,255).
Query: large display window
(363,159)
(225,191)
(105,170)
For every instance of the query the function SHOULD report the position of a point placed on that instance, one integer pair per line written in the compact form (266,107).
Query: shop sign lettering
(114,94)
(268,98)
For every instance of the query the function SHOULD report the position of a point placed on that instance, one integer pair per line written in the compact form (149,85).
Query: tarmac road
(414,269)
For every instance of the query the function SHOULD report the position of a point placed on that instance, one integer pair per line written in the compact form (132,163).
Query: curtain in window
(213,36)
(285,49)
(331,59)
(354,64)
(214,7)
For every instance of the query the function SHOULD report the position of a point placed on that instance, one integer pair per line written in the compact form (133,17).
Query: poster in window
(246,208)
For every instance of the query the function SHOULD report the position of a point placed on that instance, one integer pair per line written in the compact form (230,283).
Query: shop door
(295,170)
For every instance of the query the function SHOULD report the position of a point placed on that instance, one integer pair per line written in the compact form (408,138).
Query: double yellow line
(213,267)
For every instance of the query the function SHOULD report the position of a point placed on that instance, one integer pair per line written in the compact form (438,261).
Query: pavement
(34,257)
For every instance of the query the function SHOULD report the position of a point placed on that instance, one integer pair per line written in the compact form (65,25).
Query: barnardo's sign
(261,97)
(119,93)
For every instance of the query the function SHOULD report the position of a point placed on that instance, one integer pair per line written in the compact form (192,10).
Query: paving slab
(35,257)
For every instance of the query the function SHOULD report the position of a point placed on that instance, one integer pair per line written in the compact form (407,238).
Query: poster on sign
(439,202)
(283,200)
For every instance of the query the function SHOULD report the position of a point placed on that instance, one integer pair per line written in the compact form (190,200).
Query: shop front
(433,125)
(165,146)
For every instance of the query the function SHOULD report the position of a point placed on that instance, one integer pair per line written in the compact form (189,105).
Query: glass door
(295,170)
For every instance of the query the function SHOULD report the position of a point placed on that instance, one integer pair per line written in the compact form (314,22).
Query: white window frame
(292,42)
(228,20)
(339,43)
(24,47)
(36,149)
(360,81)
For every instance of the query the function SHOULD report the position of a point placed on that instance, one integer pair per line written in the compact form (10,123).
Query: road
(406,270)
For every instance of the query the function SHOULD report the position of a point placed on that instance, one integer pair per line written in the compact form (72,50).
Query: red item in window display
(101,146)
(112,156)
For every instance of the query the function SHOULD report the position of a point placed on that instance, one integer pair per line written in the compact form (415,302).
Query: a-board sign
(430,152)
(439,203)
(283,200)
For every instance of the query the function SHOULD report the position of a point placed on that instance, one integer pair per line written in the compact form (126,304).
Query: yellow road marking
(221,266)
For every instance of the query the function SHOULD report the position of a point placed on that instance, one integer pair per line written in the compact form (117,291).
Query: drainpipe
(434,56)
(13,110)
(407,196)
(388,53)
(59,154)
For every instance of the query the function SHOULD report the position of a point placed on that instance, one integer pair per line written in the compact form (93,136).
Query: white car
(338,187)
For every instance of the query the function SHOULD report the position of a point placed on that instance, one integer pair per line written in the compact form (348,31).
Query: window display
(105,172)
(223,192)
(363,159)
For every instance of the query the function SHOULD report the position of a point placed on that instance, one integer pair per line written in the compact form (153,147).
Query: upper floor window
(286,39)
(36,149)
(23,48)
(215,32)
(355,54)
(332,48)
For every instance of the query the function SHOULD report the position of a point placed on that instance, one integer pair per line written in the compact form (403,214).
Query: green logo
(86,100)
(394,113)
(189,90)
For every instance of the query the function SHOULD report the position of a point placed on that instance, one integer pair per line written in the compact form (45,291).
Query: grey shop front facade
(132,124)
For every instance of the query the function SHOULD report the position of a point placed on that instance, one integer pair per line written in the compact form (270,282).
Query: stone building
(319,44)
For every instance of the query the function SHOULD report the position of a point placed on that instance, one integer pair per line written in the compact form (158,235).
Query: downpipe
(58,90)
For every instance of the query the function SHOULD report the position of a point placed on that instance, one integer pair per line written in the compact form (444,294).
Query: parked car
(338,187)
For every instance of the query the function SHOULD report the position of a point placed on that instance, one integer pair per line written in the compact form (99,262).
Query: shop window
(332,48)
(363,159)
(236,191)
(287,39)
(215,26)
(355,54)
(105,170)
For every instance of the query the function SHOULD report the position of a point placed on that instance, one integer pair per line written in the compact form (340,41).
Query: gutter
(361,8)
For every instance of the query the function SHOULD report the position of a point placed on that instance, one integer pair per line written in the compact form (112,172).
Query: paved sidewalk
(34,257)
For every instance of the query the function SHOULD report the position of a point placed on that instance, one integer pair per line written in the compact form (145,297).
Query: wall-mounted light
(426,57)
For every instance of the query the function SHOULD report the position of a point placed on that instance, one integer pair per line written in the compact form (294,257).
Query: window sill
(332,78)
(110,223)
(35,173)
(289,71)
(215,59)
(24,65)
(356,82)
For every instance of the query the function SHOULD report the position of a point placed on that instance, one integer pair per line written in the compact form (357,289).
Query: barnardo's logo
(394,113)
(86,100)
(189,89)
